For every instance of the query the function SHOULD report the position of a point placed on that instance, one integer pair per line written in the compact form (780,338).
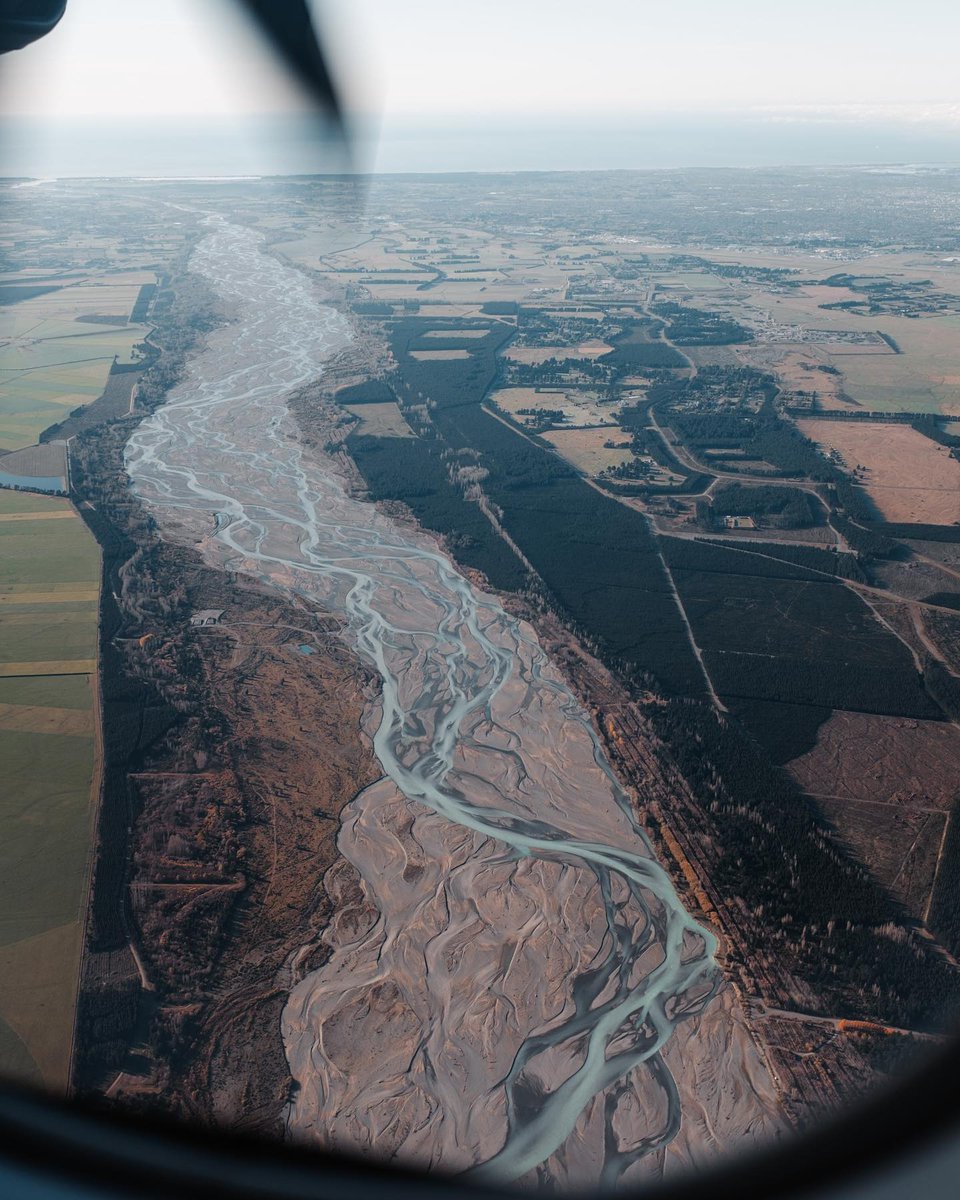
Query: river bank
(226,768)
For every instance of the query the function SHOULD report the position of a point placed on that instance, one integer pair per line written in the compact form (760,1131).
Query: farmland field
(586,449)
(924,378)
(49,459)
(909,478)
(380,420)
(800,369)
(579,407)
(444,334)
(60,558)
(56,351)
(49,572)
(33,634)
(592,348)
(578,314)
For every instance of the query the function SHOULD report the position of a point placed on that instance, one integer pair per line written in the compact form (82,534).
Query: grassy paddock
(49,572)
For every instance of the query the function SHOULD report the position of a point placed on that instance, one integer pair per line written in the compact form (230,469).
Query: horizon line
(249,177)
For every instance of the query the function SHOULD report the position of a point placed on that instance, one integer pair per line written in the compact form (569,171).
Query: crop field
(478,337)
(22,506)
(56,351)
(31,634)
(802,307)
(13,517)
(49,582)
(29,718)
(477,288)
(380,420)
(715,356)
(444,334)
(573,314)
(909,478)
(534,355)
(46,552)
(840,349)
(586,451)
(15,598)
(49,459)
(925,377)
(691,281)
(48,666)
(799,369)
(579,407)
(413,278)
(445,311)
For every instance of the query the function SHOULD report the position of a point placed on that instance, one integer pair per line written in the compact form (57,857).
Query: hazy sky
(441,61)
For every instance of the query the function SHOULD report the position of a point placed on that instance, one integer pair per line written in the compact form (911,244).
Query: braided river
(508,963)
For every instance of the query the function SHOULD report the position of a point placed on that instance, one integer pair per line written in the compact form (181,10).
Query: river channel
(507,959)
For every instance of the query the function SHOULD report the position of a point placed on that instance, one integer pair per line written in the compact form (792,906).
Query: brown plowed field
(908,477)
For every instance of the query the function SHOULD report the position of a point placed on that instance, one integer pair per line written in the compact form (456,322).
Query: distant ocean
(281,146)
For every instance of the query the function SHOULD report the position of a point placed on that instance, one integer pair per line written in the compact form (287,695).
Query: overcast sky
(444,60)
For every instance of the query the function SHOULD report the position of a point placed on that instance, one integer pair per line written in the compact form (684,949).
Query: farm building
(207,616)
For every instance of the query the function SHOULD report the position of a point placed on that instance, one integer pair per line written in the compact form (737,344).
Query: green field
(26,502)
(29,635)
(47,691)
(53,360)
(44,552)
(46,816)
(47,749)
